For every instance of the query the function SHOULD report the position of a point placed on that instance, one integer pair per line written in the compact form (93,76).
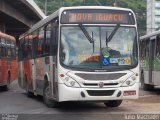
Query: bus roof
(150,35)
(7,36)
(95,7)
(56,14)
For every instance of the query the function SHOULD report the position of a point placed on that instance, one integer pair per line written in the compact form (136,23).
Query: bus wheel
(46,97)
(113,103)
(145,86)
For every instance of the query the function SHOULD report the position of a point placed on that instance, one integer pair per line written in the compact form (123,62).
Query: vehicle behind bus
(81,54)
(150,60)
(8,63)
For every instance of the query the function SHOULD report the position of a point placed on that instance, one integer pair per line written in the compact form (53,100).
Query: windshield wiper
(108,39)
(85,32)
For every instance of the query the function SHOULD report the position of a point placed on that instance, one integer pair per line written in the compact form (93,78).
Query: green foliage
(138,6)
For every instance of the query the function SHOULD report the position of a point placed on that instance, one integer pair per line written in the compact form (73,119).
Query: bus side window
(3,51)
(147,48)
(140,49)
(40,42)
(8,48)
(8,52)
(158,47)
(47,40)
(143,49)
(30,46)
(35,43)
(20,50)
(24,49)
(13,52)
(3,47)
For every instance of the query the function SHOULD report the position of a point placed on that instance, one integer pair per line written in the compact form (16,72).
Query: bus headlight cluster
(68,81)
(129,82)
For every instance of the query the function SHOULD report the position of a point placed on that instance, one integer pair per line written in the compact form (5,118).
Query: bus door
(33,67)
(54,81)
(9,58)
(20,63)
(151,59)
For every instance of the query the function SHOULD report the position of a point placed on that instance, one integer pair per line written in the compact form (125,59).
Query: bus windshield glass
(76,50)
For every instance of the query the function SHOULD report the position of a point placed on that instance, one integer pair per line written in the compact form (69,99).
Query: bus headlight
(68,81)
(129,82)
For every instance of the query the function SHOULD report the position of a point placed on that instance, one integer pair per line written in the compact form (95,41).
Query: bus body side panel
(27,73)
(146,76)
(4,71)
(42,68)
(13,69)
(156,75)
(20,74)
(54,78)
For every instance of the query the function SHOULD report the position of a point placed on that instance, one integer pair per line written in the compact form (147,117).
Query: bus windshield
(76,50)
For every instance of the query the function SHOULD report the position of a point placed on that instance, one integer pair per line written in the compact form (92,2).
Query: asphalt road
(16,102)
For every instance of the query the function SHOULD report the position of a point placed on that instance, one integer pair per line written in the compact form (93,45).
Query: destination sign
(97,16)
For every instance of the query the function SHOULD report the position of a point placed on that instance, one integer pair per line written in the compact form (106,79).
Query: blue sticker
(105,61)
(113,60)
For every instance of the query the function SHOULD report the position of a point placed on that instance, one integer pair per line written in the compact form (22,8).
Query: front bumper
(96,94)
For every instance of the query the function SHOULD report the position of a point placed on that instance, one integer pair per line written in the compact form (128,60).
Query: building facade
(153,16)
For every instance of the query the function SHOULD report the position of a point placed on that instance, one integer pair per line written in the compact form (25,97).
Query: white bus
(81,54)
(150,60)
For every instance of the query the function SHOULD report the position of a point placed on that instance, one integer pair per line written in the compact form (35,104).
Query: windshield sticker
(124,61)
(113,60)
(128,61)
(105,53)
(105,61)
(89,58)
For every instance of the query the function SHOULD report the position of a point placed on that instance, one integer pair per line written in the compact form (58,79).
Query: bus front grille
(100,92)
(112,76)
(97,85)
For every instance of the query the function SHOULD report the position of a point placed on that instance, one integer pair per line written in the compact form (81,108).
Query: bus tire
(28,93)
(113,103)
(46,97)
(144,86)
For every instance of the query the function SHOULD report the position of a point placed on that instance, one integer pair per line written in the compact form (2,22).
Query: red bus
(8,62)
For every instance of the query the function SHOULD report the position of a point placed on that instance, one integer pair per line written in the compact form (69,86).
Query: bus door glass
(54,39)
(157,62)
(4,55)
(8,54)
(151,58)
